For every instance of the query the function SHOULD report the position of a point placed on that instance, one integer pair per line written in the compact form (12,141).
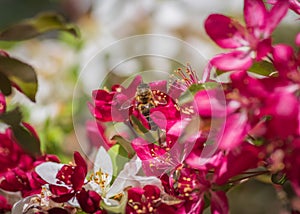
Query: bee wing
(127,104)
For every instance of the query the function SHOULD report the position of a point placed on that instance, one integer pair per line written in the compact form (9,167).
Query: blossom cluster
(179,146)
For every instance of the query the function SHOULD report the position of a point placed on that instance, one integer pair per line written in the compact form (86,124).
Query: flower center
(101,178)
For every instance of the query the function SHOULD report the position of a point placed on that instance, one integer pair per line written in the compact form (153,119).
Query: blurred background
(59,59)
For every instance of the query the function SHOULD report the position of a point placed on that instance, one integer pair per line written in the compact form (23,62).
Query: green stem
(250,176)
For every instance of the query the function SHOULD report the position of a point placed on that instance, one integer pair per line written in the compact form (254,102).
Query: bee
(145,102)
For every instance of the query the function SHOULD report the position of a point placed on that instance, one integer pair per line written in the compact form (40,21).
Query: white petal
(103,162)
(48,171)
(127,177)
(21,205)
(73,202)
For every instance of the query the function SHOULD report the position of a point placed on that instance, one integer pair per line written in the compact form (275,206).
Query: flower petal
(295,6)
(276,107)
(20,205)
(234,131)
(80,162)
(103,162)
(263,48)
(237,161)
(275,16)
(236,60)
(283,59)
(95,133)
(89,201)
(226,32)
(219,202)
(209,104)
(160,85)
(255,13)
(48,171)
(297,41)
(127,177)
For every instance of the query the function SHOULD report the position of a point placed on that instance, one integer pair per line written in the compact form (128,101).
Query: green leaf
(119,157)
(219,72)
(23,136)
(202,86)
(138,125)
(263,68)
(125,144)
(188,95)
(20,73)
(141,129)
(26,140)
(5,85)
(12,118)
(38,25)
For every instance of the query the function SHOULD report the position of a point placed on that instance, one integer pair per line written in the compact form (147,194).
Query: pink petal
(160,85)
(142,148)
(78,178)
(80,162)
(295,6)
(151,191)
(237,161)
(102,95)
(255,13)
(219,203)
(95,134)
(207,72)
(234,132)
(226,32)
(130,91)
(89,200)
(248,86)
(236,60)
(275,15)
(297,41)
(283,56)
(283,107)
(209,104)
(263,48)
(63,198)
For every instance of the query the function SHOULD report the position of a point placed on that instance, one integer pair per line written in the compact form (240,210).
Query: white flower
(103,171)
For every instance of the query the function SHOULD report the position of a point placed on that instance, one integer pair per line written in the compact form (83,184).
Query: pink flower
(171,152)
(192,186)
(15,180)
(146,200)
(121,103)
(294,5)
(65,181)
(108,106)
(245,40)
(17,167)
(12,155)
